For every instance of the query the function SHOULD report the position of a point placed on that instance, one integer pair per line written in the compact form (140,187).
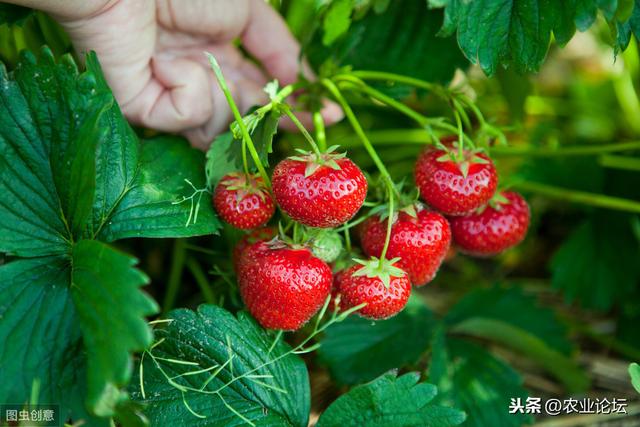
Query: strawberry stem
(303,130)
(387,238)
(347,240)
(460,135)
(236,113)
(321,136)
(384,76)
(245,162)
(420,119)
(355,124)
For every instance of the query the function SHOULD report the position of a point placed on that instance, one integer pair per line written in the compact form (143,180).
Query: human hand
(151,52)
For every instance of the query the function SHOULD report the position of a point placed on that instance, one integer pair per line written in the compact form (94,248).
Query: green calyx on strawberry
(462,158)
(243,200)
(244,185)
(319,190)
(377,286)
(315,161)
(383,269)
(406,202)
(455,182)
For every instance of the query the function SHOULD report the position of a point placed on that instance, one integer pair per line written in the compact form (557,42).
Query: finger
(270,41)
(173,99)
(220,20)
(232,61)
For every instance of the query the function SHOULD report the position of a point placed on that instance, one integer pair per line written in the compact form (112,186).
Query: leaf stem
(590,199)
(236,113)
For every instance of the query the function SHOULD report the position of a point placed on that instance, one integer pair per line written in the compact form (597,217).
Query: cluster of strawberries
(283,284)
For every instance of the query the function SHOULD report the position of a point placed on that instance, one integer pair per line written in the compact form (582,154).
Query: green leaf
(597,265)
(42,127)
(478,383)
(505,317)
(492,32)
(337,20)
(634,373)
(401,40)
(41,336)
(390,401)
(149,208)
(67,118)
(111,311)
(71,168)
(137,184)
(518,32)
(277,395)
(626,23)
(359,350)
(225,154)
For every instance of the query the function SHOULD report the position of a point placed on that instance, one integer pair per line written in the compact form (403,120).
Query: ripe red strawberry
(254,236)
(243,201)
(319,191)
(282,286)
(421,242)
(384,288)
(497,227)
(455,187)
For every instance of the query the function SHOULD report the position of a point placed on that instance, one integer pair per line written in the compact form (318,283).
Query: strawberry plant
(448,247)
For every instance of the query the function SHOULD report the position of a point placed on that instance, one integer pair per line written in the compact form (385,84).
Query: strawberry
(382,286)
(419,237)
(325,244)
(319,190)
(452,185)
(243,200)
(282,285)
(335,289)
(493,229)
(254,236)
